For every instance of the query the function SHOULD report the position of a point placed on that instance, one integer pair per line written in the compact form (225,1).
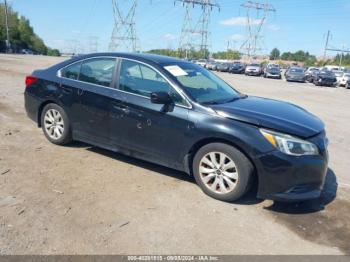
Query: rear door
(94,95)
(146,128)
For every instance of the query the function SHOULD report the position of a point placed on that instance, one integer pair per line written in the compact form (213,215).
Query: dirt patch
(325,221)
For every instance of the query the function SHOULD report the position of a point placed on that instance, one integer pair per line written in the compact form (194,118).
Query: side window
(71,71)
(98,71)
(140,79)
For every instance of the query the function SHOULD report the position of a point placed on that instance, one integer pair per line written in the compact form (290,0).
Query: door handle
(119,105)
(66,89)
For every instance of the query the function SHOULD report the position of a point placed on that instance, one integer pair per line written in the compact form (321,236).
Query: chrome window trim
(177,89)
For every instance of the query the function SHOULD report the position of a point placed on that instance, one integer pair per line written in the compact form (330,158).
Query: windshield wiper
(218,102)
(211,102)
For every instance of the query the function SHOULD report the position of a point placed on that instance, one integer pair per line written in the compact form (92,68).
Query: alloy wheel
(218,172)
(54,124)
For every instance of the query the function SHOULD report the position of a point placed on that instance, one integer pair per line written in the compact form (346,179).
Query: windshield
(255,65)
(328,73)
(201,85)
(296,70)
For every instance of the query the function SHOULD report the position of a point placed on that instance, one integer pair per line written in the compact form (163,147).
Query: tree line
(194,54)
(22,35)
(308,59)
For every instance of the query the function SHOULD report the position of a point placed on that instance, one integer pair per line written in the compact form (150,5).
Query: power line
(253,43)
(198,36)
(124,32)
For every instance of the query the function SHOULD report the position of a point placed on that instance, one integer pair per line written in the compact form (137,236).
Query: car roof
(152,59)
(158,59)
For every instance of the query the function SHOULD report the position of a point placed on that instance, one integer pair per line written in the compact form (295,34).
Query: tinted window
(98,71)
(72,71)
(140,79)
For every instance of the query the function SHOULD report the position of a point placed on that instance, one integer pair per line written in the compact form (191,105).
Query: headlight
(288,144)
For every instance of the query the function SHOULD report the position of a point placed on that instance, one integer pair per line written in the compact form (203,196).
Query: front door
(146,127)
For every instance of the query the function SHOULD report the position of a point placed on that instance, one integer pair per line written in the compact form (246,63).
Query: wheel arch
(199,144)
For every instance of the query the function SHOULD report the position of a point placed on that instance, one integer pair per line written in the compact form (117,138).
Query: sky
(296,24)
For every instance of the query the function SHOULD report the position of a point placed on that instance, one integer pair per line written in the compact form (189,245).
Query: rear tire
(222,171)
(56,125)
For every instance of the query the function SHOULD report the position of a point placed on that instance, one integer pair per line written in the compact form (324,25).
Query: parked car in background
(309,73)
(325,78)
(253,70)
(237,68)
(295,74)
(344,79)
(347,85)
(201,62)
(338,74)
(331,68)
(273,71)
(223,67)
(27,52)
(179,115)
(211,65)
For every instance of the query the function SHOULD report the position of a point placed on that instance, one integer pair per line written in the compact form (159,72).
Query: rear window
(97,71)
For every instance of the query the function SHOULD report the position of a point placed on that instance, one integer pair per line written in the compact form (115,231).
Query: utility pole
(341,55)
(252,45)
(8,44)
(340,51)
(124,32)
(326,46)
(196,37)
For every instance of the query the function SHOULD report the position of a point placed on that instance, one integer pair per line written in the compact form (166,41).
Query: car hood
(273,114)
(327,76)
(273,70)
(253,68)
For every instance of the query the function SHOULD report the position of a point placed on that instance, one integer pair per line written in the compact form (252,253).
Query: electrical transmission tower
(196,36)
(253,43)
(93,44)
(124,32)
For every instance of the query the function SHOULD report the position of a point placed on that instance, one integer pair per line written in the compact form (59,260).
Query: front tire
(56,125)
(222,171)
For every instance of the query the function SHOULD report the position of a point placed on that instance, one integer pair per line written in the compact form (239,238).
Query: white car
(253,69)
(338,75)
(201,62)
(345,77)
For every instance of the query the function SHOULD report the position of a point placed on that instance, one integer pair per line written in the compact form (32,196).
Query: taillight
(30,80)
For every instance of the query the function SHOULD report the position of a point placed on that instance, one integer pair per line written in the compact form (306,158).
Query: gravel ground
(85,200)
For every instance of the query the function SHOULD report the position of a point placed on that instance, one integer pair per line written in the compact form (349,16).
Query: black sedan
(325,78)
(237,68)
(180,115)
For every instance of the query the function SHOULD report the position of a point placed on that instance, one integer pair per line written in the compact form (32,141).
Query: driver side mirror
(162,98)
